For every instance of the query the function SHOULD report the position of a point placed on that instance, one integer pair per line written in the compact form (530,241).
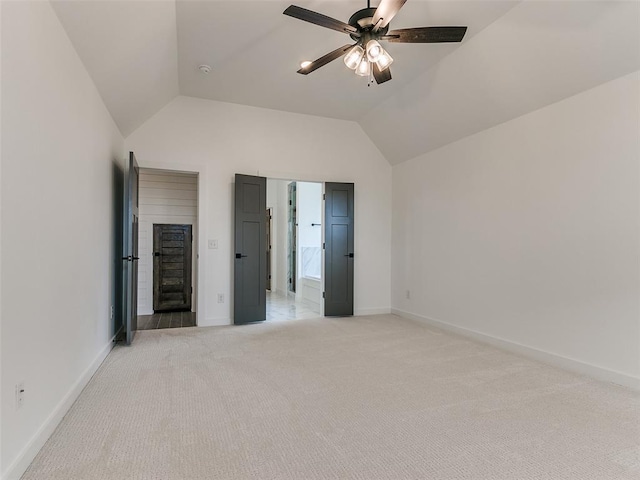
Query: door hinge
(191,289)
(323,295)
(323,246)
(289,202)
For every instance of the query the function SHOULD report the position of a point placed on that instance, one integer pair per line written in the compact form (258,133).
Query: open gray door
(130,250)
(250,263)
(338,257)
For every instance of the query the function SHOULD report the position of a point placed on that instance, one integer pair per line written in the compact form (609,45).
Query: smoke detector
(204,68)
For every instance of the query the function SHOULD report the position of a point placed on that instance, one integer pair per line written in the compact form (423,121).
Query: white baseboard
(215,322)
(222,321)
(31,449)
(554,359)
(372,311)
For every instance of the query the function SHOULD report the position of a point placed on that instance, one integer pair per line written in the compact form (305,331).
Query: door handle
(130,258)
(135,258)
(157,254)
(239,255)
(350,255)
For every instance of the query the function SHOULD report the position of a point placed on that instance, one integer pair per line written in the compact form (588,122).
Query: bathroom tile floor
(281,307)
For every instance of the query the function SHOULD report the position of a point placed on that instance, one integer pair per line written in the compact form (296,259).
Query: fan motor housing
(362,21)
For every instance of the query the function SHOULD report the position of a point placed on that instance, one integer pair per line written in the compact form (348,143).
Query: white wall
(529,232)
(61,163)
(282,224)
(273,203)
(308,211)
(224,139)
(165,197)
(277,200)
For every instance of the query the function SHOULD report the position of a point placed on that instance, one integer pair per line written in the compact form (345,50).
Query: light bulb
(305,64)
(352,59)
(374,50)
(384,60)
(364,68)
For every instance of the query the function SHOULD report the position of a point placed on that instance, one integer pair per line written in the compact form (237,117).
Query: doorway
(324,268)
(167,283)
(296,246)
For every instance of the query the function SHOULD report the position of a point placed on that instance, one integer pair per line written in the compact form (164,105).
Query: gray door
(338,258)
(292,238)
(172,267)
(130,249)
(269,236)
(250,262)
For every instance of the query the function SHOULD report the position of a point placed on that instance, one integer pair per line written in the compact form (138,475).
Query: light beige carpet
(356,398)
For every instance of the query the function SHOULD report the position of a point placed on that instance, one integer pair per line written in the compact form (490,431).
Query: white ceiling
(130,50)
(255,51)
(516,57)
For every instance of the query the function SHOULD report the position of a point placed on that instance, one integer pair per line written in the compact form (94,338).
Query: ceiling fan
(367,26)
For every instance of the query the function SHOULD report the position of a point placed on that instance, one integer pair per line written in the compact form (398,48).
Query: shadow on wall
(116,247)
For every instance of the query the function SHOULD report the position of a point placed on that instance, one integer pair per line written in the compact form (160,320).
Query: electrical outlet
(19,396)
(408,294)
(213,244)
(221,298)
(111,312)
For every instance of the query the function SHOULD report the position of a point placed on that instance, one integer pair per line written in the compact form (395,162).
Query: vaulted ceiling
(517,56)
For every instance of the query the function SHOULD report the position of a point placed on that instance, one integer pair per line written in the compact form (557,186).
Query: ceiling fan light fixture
(374,50)
(366,27)
(384,60)
(364,68)
(353,58)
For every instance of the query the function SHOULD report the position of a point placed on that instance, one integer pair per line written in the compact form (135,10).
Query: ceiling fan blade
(319,19)
(426,35)
(322,61)
(381,76)
(385,12)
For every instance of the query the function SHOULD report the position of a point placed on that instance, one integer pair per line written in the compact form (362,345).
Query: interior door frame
(202,211)
(301,177)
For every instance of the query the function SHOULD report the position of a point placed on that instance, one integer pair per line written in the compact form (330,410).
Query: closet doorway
(167,279)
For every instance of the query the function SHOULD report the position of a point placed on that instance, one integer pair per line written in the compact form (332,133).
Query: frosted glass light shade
(353,58)
(384,60)
(374,50)
(364,68)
